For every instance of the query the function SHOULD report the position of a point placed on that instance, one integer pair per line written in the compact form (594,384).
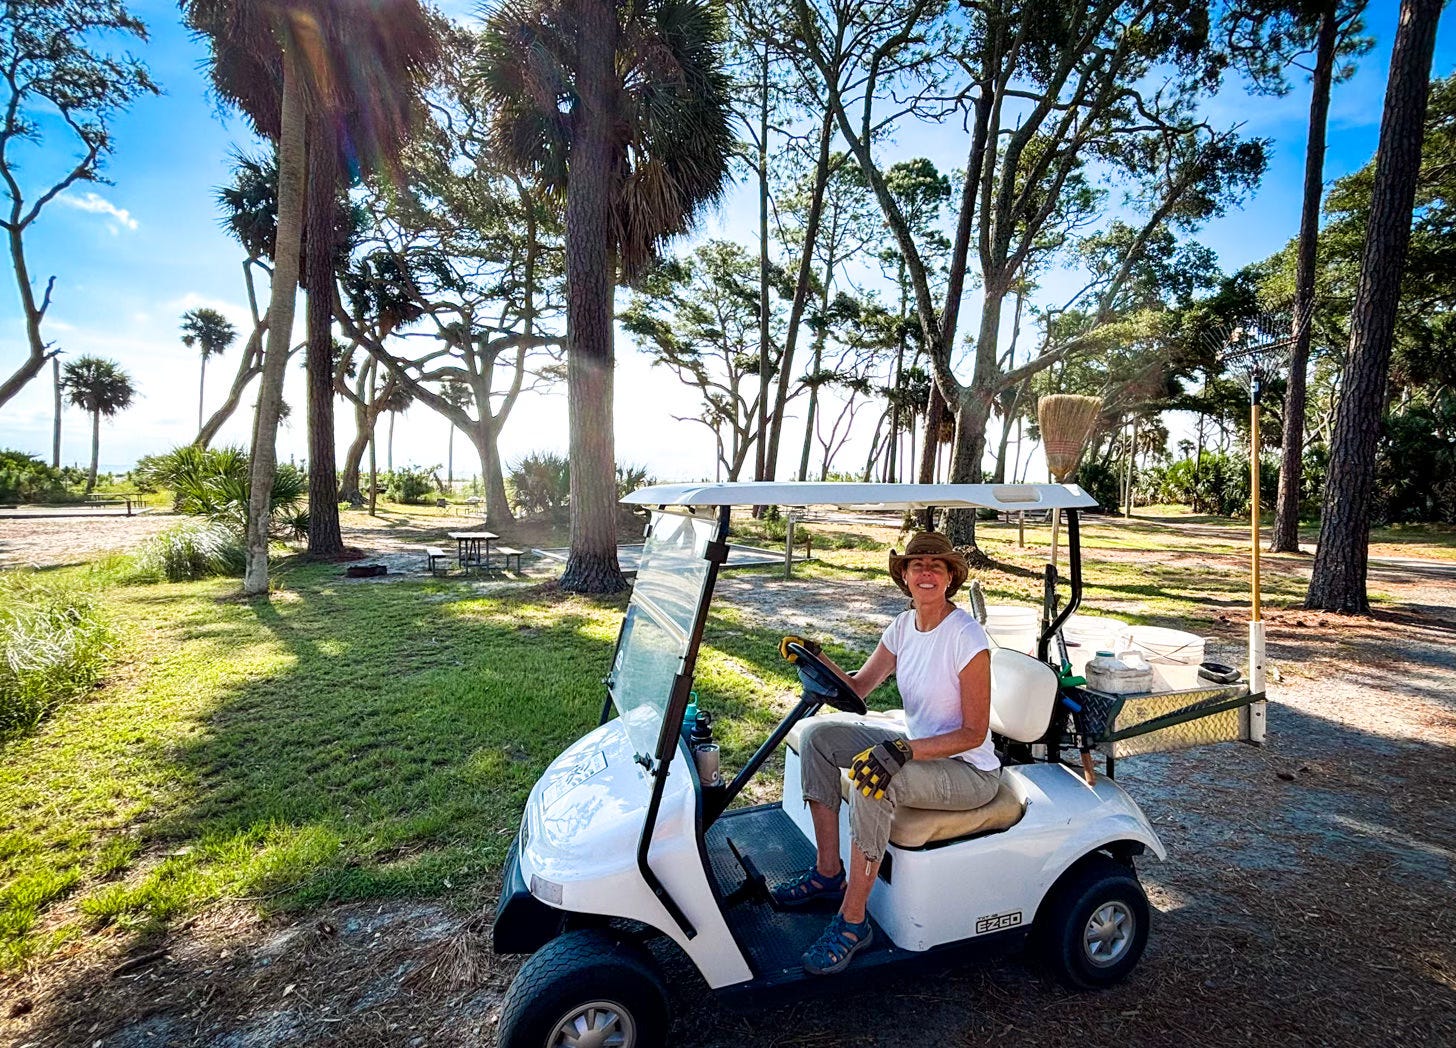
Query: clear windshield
(654,640)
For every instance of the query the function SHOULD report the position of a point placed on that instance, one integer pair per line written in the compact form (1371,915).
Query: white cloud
(100,206)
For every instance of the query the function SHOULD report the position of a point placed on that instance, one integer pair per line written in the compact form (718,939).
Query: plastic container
(1086,635)
(1013,626)
(1114,676)
(1174,655)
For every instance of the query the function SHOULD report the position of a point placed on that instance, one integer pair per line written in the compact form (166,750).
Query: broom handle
(1056,526)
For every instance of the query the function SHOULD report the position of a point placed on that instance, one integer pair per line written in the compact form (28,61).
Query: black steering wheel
(831,686)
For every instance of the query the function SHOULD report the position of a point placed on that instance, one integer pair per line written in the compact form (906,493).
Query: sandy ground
(1306,898)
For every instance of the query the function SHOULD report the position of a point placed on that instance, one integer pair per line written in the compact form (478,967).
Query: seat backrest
(1023,695)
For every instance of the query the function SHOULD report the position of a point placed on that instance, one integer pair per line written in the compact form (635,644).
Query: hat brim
(960,569)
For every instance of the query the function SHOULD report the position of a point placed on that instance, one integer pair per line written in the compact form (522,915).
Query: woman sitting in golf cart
(940,657)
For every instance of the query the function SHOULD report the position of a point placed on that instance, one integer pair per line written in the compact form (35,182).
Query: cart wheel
(1096,926)
(586,988)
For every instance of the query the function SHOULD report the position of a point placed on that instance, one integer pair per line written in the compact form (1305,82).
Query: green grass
(343,741)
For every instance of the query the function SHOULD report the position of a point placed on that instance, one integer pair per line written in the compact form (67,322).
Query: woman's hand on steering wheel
(818,677)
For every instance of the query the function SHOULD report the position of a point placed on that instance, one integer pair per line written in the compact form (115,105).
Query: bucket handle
(1142,647)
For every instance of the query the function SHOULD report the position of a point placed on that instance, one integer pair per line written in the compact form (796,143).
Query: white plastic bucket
(1174,655)
(1013,626)
(1086,635)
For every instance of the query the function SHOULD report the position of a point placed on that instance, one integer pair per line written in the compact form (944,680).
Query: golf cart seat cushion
(916,827)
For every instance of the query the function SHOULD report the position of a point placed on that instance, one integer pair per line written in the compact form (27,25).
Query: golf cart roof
(866,496)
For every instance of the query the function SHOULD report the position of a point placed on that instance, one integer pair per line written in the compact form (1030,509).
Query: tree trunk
(497,506)
(280,326)
(56,431)
(201,390)
(249,368)
(801,296)
(389,446)
(1285,538)
(349,490)
(965,465)
(973,414)
(373,443)
(813,404)
(1338,580)
(592,564)
(95,450)
(760,470)
(34,313)
(324,538)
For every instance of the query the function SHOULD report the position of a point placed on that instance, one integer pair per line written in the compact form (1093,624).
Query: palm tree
(102,388)
(211,332)
(633,100)
(342,66)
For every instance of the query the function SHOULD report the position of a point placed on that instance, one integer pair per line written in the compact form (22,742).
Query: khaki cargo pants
(946,784)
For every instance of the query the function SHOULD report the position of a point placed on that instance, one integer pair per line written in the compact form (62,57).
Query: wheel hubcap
(599,1024)
(1109,934)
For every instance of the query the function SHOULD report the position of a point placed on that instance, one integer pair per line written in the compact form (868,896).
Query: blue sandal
(837,946)
(807,887)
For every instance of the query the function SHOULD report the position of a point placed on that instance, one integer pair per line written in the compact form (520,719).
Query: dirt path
(1306,899)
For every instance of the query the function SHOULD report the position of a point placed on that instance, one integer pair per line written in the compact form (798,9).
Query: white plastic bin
(1013,626)
(1175,656)
(1086,635)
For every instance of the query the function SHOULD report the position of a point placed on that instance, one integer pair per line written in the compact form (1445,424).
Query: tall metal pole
(1257,721)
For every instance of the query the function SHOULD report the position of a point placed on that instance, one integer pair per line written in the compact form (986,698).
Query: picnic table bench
(507,553)
(434,554)
(133,500)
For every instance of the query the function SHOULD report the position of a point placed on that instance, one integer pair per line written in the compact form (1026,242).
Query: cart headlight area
(546,891)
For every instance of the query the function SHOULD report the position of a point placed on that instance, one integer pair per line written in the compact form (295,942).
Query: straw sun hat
(930,544)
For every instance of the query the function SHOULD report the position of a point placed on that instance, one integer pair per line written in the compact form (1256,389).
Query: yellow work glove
(872,770)
(788,655)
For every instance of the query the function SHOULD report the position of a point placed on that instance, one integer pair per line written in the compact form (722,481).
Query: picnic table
(473,547)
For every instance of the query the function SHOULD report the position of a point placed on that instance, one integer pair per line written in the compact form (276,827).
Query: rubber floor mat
(774,940)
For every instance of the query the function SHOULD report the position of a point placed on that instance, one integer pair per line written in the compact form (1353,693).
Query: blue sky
(131,257)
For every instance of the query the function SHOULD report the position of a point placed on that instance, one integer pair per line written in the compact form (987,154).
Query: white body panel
(580,832)
(954,892)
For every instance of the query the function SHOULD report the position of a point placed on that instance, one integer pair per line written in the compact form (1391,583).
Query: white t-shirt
(927,668)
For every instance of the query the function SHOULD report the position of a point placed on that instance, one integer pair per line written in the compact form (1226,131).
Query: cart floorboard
(774,940)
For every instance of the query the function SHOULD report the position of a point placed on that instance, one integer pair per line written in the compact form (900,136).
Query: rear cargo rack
(1128,725)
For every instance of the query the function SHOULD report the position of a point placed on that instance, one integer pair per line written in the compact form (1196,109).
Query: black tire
(592,978)
(1096,925)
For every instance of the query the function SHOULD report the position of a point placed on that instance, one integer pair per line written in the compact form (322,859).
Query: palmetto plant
(102,388)
(621,109)
(214,483)
(209,332)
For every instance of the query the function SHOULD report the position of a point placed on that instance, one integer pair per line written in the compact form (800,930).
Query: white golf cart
(622,842)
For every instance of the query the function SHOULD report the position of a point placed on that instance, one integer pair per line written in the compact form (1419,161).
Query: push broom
(1066,421)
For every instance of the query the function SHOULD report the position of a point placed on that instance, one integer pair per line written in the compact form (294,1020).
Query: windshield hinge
(716,552)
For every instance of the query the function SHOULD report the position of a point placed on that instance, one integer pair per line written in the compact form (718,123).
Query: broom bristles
(1066,421)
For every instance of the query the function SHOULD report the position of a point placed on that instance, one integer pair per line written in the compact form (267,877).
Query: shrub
(1101,483)
(55,644)
(1219,485)
(191,551)
(214,483)
(630,478)
(25,478)
(540,483)
(410,485)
